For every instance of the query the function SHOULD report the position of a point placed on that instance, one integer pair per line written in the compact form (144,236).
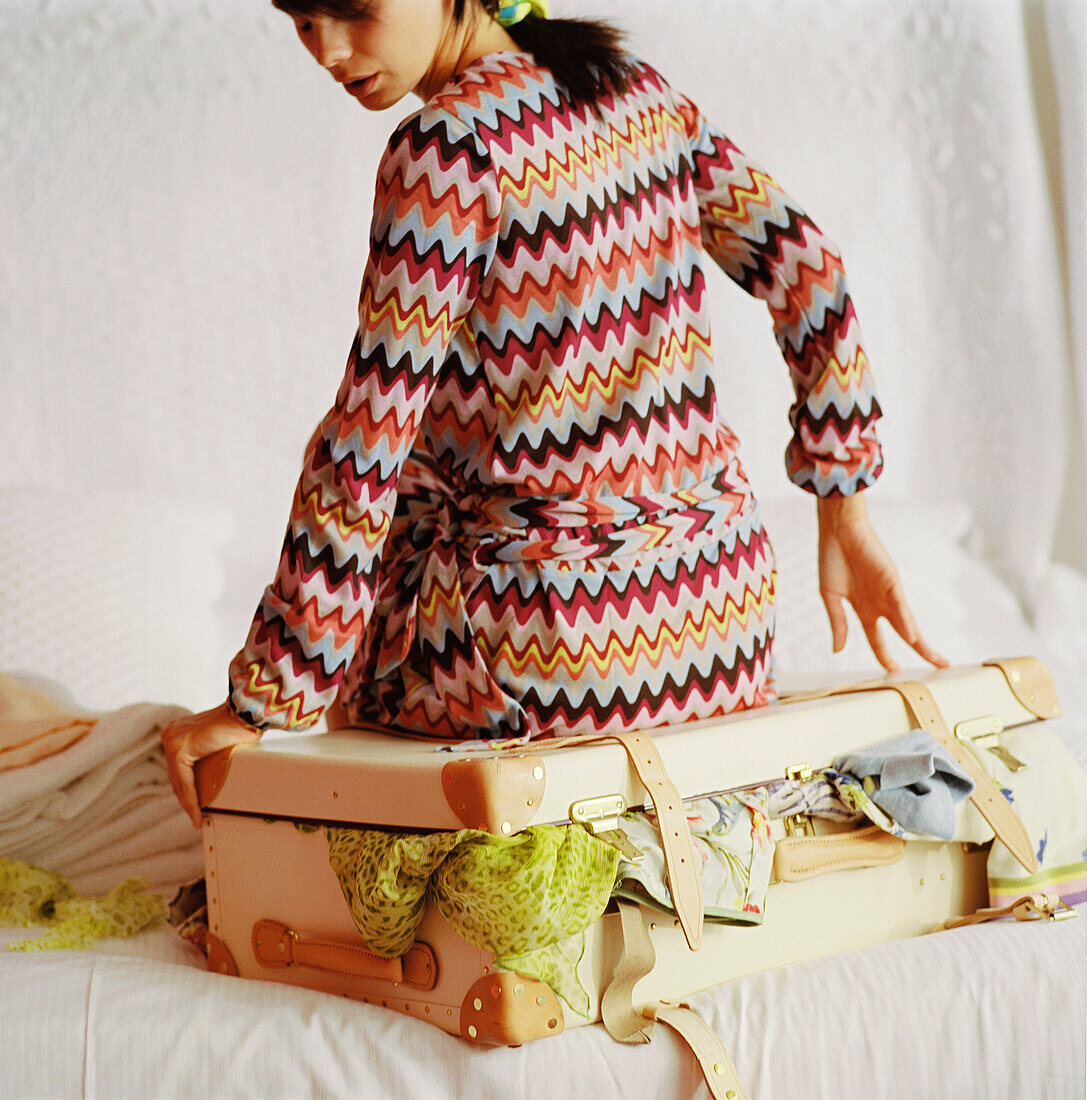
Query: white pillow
(962,607)
(113,595)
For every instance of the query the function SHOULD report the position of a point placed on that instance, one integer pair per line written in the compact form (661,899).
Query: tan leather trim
(991,804)
(220,960)
(684,878)
(716,1065)
(509,1009)
(1030,683)
(210,774)
(1029,907)
(801,857)
(275,945)
(497,794)
(622,1022)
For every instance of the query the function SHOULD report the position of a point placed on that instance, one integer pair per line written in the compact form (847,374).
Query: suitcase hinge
(983,733)
(601,817)
(799,824)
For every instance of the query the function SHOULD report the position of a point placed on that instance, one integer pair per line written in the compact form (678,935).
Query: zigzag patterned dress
(525,514)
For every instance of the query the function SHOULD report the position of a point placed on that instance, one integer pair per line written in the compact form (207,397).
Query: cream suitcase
(276,911)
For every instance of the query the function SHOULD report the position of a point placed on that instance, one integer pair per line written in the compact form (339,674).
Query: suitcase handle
(276,945)
(801,857)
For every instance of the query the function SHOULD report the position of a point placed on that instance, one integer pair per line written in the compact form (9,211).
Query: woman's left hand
(192,738)
(854,566)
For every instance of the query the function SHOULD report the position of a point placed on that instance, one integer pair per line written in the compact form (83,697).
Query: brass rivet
(540,998)
(652,924)
(943,877)
(518,989)
(426,1008)
(496,991)
(472,1031)
(281,948)
(530,803)
(1016,675)
(731,1094)
(537,772)
(552,1023)
(1031,698)
(335,794)
(922,882)
(718,1067)
(507,828)
(477,1004)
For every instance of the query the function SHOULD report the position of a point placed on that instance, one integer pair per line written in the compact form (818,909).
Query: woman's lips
(359,88)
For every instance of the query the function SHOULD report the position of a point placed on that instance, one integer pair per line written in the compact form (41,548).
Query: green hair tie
(508,14)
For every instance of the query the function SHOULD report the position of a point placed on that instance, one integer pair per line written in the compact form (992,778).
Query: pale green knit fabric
(30,895)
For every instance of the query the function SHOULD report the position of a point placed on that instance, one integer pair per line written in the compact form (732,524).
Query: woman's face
(389,48)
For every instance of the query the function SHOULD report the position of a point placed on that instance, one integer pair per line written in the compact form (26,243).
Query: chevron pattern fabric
(525,514)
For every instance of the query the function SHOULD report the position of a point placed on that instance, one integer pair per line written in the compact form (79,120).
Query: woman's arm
(765,242)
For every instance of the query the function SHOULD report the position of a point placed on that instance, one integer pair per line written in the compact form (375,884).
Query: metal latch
(799,824)
(984,732)
(1050,909)
(601,817)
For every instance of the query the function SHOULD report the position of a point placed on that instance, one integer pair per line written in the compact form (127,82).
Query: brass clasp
(601,817)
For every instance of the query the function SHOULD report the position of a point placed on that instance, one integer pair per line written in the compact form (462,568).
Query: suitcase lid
(373,777)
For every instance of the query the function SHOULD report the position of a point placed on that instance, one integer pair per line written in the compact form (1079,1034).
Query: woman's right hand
(195,736)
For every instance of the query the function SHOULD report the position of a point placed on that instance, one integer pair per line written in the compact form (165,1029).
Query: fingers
(901,618)
(192,738)
(879,647)
(839,627)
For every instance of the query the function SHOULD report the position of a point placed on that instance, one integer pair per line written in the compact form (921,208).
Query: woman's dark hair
(584,55)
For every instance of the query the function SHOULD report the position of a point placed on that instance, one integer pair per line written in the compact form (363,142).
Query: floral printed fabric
(732,844)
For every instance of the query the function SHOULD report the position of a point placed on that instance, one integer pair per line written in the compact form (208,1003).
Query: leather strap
(623,1023)
(990,803)
(275,945)
(801,857)
(1028,907)
(684,879)
(717,1067)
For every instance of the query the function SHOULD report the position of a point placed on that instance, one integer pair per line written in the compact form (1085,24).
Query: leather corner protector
(220,960)
(499,794)
(507,1009)
(210,773)
(1030,683)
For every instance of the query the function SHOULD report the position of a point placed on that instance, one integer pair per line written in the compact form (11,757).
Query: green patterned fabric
(527,898)
(31,895)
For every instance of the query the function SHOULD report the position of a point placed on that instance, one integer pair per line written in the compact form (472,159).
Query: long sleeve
(765,242)
(431,243)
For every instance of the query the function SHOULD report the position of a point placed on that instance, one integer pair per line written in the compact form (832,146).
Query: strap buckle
(1043,907)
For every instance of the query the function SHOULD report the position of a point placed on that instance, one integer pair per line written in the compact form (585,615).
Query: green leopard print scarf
(527,898)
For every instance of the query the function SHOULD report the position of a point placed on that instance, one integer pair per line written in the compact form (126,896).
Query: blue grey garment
(914,779)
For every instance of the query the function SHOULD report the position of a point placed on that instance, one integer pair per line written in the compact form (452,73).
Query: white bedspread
(992,1011)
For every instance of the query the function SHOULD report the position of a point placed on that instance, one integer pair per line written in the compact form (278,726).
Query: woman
(525,514)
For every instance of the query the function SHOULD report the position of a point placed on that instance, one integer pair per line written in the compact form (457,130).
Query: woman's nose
(330,44)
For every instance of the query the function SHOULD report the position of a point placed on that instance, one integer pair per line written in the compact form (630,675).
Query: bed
(175,310)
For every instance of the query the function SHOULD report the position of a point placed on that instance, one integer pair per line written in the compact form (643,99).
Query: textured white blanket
(101,809)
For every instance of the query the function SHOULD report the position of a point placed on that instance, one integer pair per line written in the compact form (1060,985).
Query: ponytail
(584,55)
